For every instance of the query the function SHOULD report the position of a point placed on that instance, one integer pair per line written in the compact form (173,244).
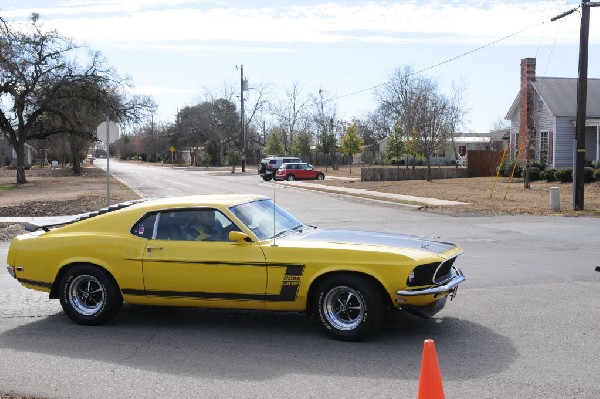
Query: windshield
(258,217)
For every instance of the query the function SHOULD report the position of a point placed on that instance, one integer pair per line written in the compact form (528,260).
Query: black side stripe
(287,293)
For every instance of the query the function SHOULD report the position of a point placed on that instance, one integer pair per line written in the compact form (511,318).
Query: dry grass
(485,195)
(55,191)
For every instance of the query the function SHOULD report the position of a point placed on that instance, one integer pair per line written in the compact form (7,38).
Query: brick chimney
(527,122)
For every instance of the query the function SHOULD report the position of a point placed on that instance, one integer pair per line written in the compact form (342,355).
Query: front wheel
(265,178)
(290,178)
(320,176)
(349,307)
(89,295)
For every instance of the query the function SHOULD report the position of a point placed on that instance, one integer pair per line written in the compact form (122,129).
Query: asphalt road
(526,323)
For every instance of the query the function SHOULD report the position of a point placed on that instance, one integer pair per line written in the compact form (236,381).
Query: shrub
(506,168)
(536,163)
(564,175)
(548,174)
(597,175)
(588,174)
(534,173)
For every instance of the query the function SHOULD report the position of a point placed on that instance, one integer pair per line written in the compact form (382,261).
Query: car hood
(430,244)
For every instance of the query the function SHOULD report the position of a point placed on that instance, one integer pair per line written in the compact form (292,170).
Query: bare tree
(40,87)
(427,117)
(289,112)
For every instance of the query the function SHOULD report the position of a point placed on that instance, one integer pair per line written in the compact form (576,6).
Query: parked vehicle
(298,171)
(255,255)
(269,165)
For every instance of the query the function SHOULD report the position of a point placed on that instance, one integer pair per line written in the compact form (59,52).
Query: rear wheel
(349,307)
(89,295)
(290,178)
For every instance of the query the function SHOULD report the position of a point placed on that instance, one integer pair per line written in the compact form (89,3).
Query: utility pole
(243,87)
(578,183)
(579,144)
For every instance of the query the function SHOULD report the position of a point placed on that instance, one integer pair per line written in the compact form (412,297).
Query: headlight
(411,278)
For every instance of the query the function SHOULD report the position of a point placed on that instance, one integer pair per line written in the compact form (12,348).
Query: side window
(145,226)
(204,224)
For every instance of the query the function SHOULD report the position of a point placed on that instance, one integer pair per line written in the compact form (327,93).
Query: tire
(320,176)
(349,307)
(89,295)
(266,178)
(290,178)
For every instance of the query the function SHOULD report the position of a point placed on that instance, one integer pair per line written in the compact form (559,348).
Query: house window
(544,147)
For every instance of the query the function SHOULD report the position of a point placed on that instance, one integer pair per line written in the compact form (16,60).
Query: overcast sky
(175,50)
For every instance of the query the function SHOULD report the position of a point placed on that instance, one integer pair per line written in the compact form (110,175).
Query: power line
(443,62)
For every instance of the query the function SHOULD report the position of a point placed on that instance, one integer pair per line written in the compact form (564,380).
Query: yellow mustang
(232,251)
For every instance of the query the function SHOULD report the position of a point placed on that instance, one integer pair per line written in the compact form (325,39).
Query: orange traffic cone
(430,380)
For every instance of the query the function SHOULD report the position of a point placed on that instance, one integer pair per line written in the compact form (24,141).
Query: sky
(177,51)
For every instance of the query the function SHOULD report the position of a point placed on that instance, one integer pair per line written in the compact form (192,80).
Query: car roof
(136,207)
(213,200)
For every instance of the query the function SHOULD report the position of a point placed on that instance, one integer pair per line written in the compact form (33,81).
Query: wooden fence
(483,163)
(402,173)
(479,164)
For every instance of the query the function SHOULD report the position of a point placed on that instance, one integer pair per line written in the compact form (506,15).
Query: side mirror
(239,237)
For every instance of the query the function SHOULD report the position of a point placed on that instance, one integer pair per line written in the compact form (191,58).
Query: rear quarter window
(144,228)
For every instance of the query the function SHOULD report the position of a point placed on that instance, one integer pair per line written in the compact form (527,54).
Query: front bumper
(430,300)
(448,287)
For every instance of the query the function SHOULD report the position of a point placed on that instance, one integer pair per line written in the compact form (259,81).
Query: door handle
(149,249)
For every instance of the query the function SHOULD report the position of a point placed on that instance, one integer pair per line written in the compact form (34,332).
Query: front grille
(431,273)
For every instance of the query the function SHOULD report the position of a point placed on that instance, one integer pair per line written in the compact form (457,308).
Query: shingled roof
(560,96)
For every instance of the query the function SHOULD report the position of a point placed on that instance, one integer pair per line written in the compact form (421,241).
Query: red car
(298,171)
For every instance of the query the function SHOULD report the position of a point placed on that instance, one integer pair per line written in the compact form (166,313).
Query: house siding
(563,142)
(544,122)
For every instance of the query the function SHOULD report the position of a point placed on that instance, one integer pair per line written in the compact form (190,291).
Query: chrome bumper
(438,289)
(11,271)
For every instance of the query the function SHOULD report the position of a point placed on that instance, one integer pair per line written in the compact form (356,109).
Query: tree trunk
(76,163)
(20,149)
(428,168)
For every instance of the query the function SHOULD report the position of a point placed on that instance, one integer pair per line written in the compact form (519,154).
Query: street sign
(113,132)
(172,149)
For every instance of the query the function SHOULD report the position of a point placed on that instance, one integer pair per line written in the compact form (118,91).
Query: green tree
(351,143)
(233,158)
(274,144)
(395,145)
(302,145)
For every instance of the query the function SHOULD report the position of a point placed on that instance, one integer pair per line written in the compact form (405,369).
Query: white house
(543,117)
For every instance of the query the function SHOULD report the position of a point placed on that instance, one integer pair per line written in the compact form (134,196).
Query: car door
(304,171)
(181,270)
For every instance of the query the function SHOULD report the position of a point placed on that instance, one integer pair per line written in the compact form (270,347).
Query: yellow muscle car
(232,251)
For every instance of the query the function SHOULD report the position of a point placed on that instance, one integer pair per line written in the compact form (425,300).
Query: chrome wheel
(343,308)
(89,295)
(291,178)
(320,177)
(86,295)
